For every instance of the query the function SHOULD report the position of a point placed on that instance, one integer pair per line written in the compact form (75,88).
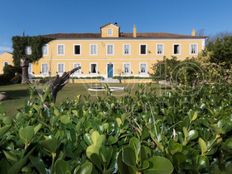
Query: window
(30,68)
(45,50)
(93,49)
(110,49)
(176,49)
(60,68)
(77,49)
(126,49)
(28,50)
(159,49)
(60,49)
(93,68)
(126,68)
(143,68)
(193,49)
(75,65)
(143,49)
(110,32)
(44,69)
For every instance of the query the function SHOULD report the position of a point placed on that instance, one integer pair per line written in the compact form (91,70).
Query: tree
(20,43)
(220,50)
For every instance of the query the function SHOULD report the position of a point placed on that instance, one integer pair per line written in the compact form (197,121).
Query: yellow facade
(5,58)
(111,53)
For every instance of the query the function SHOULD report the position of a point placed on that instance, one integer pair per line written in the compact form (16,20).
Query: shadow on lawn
(16,94)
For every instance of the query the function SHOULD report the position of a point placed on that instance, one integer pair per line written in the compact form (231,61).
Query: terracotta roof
(122,36)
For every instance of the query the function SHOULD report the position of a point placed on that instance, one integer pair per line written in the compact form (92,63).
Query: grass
(18,94)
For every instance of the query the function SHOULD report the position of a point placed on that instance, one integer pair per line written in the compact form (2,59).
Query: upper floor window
(93,49)
(60,49)
(110,50)
(176,49)
(110,32)
(193,49)
(60,68)
(126,68)
(28,50)
(126,49)
(45,50)
(77,49)
(143,49)
(159,49)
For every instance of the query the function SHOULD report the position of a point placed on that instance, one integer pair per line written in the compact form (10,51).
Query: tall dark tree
(220,50)
(20,43)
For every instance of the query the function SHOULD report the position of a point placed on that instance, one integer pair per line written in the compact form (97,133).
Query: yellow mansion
(111,52)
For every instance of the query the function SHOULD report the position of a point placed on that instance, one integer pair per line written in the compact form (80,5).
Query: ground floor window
(75,66)
(143,68)
(126,68)
(93,68)
(60,68)
(44,69)
(30,68)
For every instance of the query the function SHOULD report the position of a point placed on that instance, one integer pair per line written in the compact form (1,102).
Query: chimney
(193,32)
(134,31)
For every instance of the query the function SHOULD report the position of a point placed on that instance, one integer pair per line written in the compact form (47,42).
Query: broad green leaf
(26,134)
(65,119)
(10,155)
(61,167)
(97,140)
(193,134)
(106,154)
(122,167)
(227,145)
(135,144)
(37,128)
(159,165)
(85,168)
(194,116)
(175,147)
(51,145)
(7,120)
(129,156)
(203,146)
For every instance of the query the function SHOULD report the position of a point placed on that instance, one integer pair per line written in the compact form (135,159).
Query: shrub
(176,132)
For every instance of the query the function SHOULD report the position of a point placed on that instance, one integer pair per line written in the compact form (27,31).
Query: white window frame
(90,46)
(140,49)
(96,68)
(123,65)
(58,49)
(74,49)
(146,71)
(46,73)
(157,49)
(60,73)
(110,33)
(123,49)
(30,72)
(190,49)
(77,72)
(28,50)
(46,45)
(107,68)
(173,49)
(107,49)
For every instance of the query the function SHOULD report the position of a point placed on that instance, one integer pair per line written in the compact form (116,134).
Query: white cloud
(5,49)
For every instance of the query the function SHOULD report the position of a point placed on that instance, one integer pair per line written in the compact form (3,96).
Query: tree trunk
(25,65)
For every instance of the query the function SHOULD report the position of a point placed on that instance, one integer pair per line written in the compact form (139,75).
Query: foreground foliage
(182,131)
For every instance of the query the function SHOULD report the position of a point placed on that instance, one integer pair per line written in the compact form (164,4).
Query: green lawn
(18,94)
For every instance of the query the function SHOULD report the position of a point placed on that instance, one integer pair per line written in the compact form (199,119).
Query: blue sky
(50,16)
